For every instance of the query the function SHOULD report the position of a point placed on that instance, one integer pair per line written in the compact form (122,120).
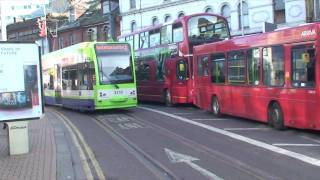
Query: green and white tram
(90,76)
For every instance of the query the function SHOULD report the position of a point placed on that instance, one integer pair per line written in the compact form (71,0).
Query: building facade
(246,17)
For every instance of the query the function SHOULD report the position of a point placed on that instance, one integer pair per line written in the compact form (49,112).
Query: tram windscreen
(114,64)
(206,29)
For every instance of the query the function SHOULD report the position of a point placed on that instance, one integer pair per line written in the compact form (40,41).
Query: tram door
(58,84)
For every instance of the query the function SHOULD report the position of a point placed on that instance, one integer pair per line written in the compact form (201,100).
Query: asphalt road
(158,142)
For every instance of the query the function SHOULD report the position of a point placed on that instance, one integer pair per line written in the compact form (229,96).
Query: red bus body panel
(300,106)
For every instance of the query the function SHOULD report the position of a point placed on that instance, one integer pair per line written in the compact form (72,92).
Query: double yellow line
(78,139)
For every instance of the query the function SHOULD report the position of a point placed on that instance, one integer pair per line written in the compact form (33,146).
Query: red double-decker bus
(271,77)
(164,55)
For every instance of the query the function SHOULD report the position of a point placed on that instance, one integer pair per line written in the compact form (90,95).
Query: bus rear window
(205,29)
(303,66)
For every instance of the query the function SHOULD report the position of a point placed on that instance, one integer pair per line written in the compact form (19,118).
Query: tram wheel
(275,116)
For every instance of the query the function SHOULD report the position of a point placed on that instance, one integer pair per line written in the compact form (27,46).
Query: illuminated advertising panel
(20,82)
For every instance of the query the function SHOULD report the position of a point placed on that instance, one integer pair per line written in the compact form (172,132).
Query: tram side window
(65,77)
(303,66)
(154,37)
(70,78)
(51,81)
(48,80)
(273,66)
(73,78)
(86,74)
(144,40)
(253,66)
(177,32)
(236,68)
(217,68)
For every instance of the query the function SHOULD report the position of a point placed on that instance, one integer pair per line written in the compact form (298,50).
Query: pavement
(52,153)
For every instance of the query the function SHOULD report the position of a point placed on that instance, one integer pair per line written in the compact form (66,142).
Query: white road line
(245,129)
(305,145)
(87,148)
(183,113)
(213,119)
(301,157)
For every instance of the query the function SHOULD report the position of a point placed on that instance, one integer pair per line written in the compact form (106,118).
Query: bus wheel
(167,98)
(275,116)
(215,106)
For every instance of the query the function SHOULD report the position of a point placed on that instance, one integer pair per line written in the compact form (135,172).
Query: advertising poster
(20,82)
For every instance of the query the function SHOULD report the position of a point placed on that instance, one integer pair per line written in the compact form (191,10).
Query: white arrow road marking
(175,157)
(298,156)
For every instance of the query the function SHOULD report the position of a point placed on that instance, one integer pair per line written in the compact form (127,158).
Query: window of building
(61,43)
(273,66)
(243,15)
(236,67)
(217,68)
(177,32)
(253,56)
(317,10)
(72,14)
(154,37)
(226,12)
(303,66)
(132,4)
(105,7)
(279,11)
(180,14)
(208,9)
(155,21)
(71,39)
(167,18)
(106,32)
(92,34)
(144,39)
(133,26)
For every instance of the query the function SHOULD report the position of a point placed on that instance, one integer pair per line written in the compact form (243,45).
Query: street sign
(20,82)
